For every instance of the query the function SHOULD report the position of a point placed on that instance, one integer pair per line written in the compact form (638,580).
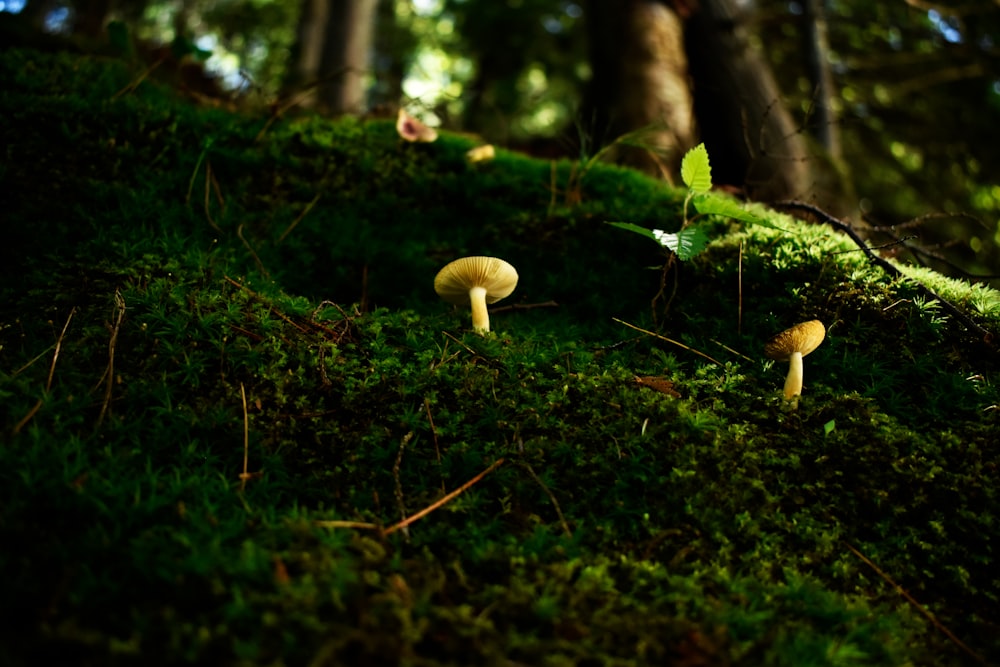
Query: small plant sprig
(691,238)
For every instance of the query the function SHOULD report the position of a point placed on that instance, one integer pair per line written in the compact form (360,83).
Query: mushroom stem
(480,316)
(793,383)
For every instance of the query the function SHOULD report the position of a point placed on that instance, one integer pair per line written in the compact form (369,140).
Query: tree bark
(750,135)
(639,82)
(333,53)
(817,50)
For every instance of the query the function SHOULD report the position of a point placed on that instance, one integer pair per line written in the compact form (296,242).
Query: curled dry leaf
(660,384)
(411,129)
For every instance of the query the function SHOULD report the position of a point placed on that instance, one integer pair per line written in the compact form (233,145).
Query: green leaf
(648,233)
(710,204)
(695,169)
(687,243)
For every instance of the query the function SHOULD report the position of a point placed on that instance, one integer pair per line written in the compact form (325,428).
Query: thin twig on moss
(923,610)
(448,498)
(300,217)
(395,478)
(552,497)
(48,383)
(109,373)
(245,475)
(253,253)
(434,436)
(670,340)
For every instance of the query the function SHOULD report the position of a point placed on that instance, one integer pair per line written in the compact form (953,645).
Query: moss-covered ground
(192,294)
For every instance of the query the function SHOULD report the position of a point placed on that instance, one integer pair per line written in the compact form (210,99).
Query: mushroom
(476,281)
(791,345)
(411,129)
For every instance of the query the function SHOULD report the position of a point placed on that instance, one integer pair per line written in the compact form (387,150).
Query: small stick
(885,265)
(434,435)
(669,340)
(109,373)
(552,497)
(524,306)
(260,264)
(909,598)
(739,294)
(210,180)
(52,370)
(395,476)
(300,217)
(347,524)
(244,476)
(435,505)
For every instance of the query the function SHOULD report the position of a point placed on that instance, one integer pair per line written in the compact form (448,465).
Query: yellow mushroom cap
(802,338)
(454,282)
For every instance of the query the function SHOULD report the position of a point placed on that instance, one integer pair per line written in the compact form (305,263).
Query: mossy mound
(193,294)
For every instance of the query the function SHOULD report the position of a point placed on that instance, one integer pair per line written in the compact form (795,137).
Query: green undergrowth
(650,505)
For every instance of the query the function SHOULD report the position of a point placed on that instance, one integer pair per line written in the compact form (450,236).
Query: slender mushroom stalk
(793,382)
(475,282)
(480,315)
(791,345)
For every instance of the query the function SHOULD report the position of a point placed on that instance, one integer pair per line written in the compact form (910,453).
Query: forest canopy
(883,113)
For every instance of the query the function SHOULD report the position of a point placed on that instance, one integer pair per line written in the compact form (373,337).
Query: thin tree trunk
(750,135)
(332,54)
(346,60)
(817,49)
(640,81)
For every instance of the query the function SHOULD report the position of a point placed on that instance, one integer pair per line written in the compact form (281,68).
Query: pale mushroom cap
(496,276)
(802,338)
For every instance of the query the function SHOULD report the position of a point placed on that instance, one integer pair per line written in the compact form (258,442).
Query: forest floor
(229,392)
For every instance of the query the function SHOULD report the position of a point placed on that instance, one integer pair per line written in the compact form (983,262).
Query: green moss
(689,516)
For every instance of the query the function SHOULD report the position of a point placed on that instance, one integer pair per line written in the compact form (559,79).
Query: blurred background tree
(883,111)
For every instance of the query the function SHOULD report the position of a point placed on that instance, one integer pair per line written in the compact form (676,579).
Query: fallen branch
(985,335)
(448,498)
(109,373)
(669,340)
(919,607)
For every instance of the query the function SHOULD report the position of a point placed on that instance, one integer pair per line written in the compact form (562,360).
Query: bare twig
(256,259)
(245,475)
(669,340)
(923,610)
(739,293)
(348,524)
(300,217)
(395,477)
(109,373)
(552,497)
(523,306)
(210,182)
(434,435)
(448,498)
(48,383)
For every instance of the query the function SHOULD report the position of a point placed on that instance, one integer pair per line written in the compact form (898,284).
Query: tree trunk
(750,135)
(394,48)
(332,54)
(640,82)
(89,17)
(817,50)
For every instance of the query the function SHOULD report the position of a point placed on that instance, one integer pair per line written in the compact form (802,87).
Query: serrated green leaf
(686,243)
(648,233)
(710,204)
(696,170)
